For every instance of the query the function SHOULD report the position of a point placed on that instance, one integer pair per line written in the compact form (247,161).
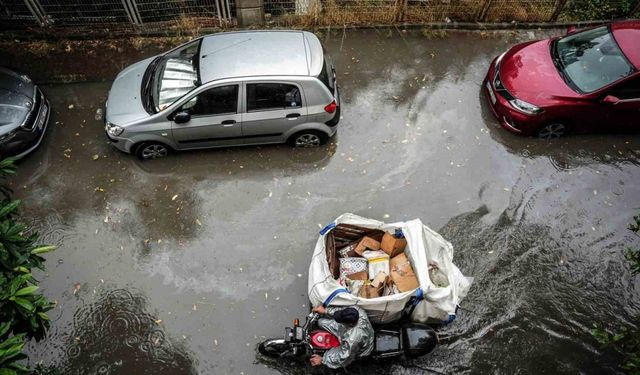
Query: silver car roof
(260,53)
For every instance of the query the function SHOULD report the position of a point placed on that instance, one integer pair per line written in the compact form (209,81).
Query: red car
(587,81)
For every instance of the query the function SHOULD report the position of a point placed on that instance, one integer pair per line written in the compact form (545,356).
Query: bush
(583,10)
(626,341)
(22,309)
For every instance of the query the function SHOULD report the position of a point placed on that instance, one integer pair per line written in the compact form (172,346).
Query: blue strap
(417,298)
(327,228)
(333,295)
(450,319)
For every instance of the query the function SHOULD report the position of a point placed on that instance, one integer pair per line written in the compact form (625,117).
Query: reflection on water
(115,335)
(566,153)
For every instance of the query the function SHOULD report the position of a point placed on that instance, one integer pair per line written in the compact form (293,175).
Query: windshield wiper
(147,79)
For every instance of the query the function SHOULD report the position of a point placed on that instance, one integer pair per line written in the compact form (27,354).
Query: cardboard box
(392,245)
(402,273)
(366,243)
(379,280)
(348,251)
(364,275)
(378,261)
(375,288)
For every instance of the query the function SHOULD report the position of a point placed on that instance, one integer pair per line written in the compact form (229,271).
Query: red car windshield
(590,60)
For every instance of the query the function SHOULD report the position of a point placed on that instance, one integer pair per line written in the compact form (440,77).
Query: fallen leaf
(95,157)
(174,197)
(70,106)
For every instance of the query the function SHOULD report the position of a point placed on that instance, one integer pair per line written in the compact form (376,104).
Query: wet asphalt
(182,265)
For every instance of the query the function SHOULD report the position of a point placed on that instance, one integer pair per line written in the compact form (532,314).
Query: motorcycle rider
(352,327)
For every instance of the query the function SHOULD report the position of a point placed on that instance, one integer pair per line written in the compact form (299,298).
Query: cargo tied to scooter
(386,267)
(390,270)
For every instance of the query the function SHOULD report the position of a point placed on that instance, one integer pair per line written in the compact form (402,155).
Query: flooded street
(182,265)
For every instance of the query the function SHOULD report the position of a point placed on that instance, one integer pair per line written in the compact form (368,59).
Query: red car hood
(528,73)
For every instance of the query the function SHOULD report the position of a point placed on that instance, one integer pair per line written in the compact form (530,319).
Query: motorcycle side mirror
(611,100)
(182,117)
(571,29)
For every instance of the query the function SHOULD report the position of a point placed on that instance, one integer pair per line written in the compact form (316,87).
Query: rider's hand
(319,309)
(315,360)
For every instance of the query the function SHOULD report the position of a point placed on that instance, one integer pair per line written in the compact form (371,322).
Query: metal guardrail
(15,13)
(150,14)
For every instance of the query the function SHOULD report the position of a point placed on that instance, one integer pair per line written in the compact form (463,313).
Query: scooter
(408,339)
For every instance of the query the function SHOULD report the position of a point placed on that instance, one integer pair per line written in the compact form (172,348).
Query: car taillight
(331,107)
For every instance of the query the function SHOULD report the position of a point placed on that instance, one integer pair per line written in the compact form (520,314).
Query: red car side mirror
(571,29)
(610,99)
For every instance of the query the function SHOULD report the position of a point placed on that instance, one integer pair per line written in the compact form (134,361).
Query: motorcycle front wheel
(275,348)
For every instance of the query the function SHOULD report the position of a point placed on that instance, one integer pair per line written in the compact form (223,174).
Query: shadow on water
(365,366)
(76,173)
(116,335)
(568,152)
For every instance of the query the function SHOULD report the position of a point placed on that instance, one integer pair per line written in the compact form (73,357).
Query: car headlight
(525,107)
(113,130)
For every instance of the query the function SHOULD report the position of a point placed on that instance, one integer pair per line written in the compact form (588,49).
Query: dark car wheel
(151,150)
(308,138)
(553,130)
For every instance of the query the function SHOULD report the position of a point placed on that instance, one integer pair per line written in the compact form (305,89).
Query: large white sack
(423,246)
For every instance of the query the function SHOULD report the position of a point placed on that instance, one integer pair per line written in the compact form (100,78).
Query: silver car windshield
(177,75)
(591,59)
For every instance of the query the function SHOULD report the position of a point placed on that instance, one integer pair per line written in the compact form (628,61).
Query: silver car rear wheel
(152,151)
(307,140)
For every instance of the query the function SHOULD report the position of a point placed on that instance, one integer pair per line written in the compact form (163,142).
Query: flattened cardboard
(391,245)
(402,273)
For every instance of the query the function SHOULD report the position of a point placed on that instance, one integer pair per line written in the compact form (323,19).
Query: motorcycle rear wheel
(274,348)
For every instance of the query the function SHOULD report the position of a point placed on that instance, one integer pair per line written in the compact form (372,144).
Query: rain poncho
(355,342)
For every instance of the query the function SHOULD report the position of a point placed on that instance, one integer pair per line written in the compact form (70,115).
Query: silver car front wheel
(152,151)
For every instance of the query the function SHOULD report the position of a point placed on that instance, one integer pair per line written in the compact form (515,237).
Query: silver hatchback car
(227,89)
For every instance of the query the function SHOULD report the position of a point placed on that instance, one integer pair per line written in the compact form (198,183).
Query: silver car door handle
(292,116)
(228,123)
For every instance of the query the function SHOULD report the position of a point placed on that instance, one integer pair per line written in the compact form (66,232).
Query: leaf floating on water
(266,295)
(70,106)
(76,288)
(95,157)
(198,222)
(174,197)
(158,321)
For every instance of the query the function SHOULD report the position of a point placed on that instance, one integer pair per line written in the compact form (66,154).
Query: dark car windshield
(175,75)
(591,59)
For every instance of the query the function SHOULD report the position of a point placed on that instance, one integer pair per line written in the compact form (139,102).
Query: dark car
(24,114)
(587,81)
